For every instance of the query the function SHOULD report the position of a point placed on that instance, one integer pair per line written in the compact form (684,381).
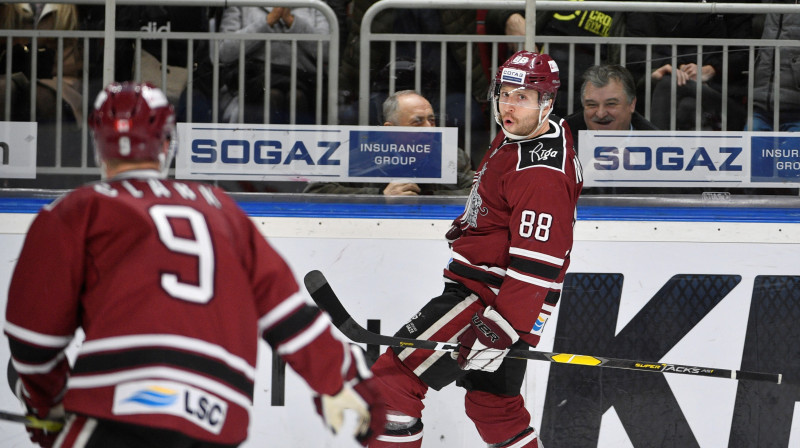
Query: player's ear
(546,104)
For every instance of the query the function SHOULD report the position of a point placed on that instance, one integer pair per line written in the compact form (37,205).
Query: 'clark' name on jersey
(157,188)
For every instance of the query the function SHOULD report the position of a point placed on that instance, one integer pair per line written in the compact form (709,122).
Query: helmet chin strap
(103,170)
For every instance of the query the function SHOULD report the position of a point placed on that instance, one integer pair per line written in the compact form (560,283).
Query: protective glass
(166,159)
(516,96)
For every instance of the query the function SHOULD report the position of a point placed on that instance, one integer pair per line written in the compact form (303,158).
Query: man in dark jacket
(712,30)
(406,108)
(463,80)
(608,95)
(777,26)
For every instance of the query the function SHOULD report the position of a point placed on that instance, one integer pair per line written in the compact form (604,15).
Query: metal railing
(369,38)
(327,76)
(67,142)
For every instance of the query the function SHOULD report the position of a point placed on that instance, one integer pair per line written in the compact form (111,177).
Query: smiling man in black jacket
(608,95)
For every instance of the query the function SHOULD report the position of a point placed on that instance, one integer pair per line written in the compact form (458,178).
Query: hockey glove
(45,431)
(453,233)
(43,427)
(484,344)
(359,394)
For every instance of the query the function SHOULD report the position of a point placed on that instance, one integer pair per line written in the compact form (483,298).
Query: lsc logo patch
(168,397)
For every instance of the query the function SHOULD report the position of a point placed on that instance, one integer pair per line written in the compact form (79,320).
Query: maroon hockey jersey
(515,235)
(171,283)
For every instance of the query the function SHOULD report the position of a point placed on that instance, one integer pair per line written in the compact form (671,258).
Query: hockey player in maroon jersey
(510,251)
(171,283)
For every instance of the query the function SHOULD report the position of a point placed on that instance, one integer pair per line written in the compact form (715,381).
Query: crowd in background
(269,72)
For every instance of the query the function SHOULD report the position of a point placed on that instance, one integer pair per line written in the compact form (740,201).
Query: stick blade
(314,280)
(322,293)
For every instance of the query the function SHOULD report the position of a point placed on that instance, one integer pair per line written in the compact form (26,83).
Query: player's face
(414,110)
(607,108)
(519,109)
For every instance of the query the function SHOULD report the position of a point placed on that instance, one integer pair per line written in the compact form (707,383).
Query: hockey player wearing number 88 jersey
(171,283)
(510,251)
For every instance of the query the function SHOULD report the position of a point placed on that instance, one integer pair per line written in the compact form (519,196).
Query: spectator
(711,27)
(557,23)
(341,8)
(406,108)
(419,21)
(608,95)
(45,16)
(158,20)
(778,26)
(245,19)
(45,111)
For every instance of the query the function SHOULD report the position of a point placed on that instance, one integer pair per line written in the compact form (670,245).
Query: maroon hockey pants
(492,401)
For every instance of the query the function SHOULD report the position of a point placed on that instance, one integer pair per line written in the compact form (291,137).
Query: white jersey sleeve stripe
(40,339)
(534,281)
(304,338)
(37,369)
(281,311)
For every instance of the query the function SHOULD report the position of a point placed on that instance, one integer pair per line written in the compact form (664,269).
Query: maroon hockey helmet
(527,70)
(531,71)
(131,121)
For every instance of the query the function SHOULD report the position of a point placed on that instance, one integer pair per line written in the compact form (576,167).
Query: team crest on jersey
(474,205)
(537,154)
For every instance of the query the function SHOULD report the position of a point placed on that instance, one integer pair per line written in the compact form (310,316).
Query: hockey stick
(32,422)
(323,295)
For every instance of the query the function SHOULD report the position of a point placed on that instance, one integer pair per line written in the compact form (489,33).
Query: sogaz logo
(511,75)
(260,152)
(666,158)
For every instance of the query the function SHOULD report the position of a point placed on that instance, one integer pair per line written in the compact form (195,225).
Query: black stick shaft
(323,295)
(32,422)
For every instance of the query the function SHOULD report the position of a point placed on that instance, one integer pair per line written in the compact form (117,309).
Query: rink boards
(712,286)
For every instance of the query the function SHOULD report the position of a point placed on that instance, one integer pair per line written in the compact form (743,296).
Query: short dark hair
(600,75)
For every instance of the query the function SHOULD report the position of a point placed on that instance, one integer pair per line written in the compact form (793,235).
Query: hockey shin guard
(401,432)
(526,439)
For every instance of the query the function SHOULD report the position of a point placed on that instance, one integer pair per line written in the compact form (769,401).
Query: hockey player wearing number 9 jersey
(510,251)
(172,284)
